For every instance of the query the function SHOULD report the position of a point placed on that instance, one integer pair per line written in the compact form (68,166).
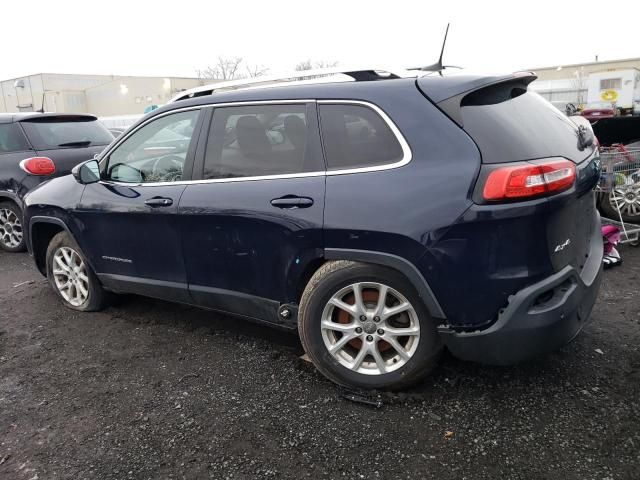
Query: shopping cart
(619,191)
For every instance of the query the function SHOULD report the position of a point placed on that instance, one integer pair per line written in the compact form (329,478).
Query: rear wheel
(364,326)
(71,277)
(11,233)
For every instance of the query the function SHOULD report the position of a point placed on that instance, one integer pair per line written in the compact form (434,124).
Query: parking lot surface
(148,389)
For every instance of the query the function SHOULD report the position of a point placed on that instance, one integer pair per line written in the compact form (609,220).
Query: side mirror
(87,172)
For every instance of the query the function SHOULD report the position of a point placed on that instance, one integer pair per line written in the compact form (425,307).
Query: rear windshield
(58,133)
(519,125)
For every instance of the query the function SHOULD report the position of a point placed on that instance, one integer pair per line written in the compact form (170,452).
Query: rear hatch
(518,131)
(66,139)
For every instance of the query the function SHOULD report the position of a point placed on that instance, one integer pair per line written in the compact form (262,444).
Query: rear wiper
(83,143)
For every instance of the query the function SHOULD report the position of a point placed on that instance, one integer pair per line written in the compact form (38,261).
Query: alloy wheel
(626,199)
(70,276)
(370,328)
(10,228)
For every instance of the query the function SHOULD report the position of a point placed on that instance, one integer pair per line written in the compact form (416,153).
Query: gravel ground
(147,389)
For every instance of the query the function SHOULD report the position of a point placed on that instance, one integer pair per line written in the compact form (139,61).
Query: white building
(102,95)
(570,83)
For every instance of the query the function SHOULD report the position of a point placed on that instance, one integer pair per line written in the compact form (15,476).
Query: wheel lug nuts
(376,319)
(369,338)
(363,317)
(358,330)
(380,331)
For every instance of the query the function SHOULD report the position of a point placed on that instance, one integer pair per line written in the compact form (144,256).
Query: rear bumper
(539,319)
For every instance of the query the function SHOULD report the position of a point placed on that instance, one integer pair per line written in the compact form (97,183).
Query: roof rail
(323,74)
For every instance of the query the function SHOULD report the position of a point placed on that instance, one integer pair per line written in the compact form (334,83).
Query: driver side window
(156,152)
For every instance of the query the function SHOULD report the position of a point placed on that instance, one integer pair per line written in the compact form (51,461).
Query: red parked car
(596,111)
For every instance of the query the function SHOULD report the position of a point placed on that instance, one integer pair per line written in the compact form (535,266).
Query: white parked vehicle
(620,88)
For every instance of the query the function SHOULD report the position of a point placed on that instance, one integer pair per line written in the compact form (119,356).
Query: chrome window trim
(406,150)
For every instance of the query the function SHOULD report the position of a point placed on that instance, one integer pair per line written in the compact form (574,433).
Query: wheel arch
(397,263)
(41,230)
(304,277)
(11,197)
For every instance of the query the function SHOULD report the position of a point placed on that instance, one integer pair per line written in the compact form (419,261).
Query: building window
(610,83)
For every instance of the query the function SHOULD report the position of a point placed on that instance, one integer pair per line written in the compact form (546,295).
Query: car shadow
(450,378)
(144,310)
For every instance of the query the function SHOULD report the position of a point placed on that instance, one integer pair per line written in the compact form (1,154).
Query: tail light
(522,181)
(38,166)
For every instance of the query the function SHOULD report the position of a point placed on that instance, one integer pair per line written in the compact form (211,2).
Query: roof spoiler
(449,95)
(58,117)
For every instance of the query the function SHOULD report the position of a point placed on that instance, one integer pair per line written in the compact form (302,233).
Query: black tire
(20,247)
(330,279)
(97,297)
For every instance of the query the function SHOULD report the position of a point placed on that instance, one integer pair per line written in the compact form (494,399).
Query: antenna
(438,66)
(444,42)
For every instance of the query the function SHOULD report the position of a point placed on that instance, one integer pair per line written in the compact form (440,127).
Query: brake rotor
(370,299)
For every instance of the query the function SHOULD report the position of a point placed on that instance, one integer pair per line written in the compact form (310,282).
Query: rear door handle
(292,201)
(159,202)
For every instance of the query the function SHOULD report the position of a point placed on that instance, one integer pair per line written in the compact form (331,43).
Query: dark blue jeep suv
(384,218)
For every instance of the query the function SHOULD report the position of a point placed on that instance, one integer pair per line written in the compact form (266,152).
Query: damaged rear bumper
(538,319)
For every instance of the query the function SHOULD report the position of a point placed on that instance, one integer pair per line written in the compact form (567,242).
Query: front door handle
(292,201)
(159,202)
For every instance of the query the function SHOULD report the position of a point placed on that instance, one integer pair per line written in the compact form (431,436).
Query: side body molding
(396,262)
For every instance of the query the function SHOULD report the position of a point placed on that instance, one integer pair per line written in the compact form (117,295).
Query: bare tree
(579,84)
(304,65)
(226,68)
(232,68)
(310,65)
(256,70)
(326,64)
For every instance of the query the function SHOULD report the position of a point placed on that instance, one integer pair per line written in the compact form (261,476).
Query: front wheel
(71,277)
(365,326)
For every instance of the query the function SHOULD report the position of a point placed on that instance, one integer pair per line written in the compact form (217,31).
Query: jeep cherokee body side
(385,219)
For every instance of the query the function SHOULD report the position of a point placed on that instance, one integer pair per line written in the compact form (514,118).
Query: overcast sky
(178,37)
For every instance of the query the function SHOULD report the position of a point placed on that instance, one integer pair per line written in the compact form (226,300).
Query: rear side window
(260,140)
(509,124)
(355,136)
(50,133)
(12,139)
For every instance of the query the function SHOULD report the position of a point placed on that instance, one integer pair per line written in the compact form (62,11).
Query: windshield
(48,135)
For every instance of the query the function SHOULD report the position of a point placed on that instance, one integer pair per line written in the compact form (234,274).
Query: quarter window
(259,140)
(156,152)
(355,136)
(12,139)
